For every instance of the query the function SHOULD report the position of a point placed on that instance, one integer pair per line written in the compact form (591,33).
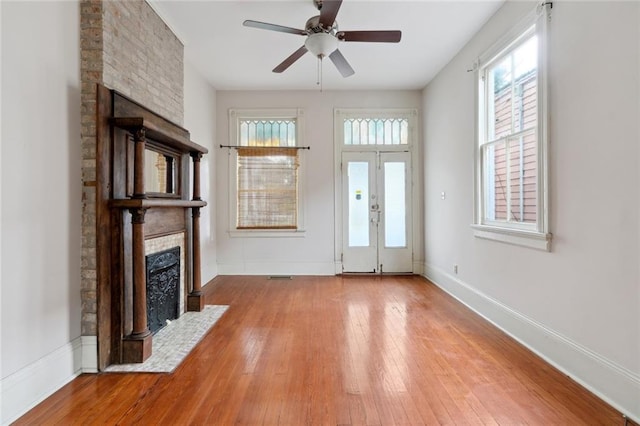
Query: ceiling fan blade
(290,60)
(329,11)
(273,27)
(341,63)
(370,36)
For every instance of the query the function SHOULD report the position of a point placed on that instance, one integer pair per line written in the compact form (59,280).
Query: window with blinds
(265,190)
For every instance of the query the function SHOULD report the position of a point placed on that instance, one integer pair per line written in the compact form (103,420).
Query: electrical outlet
(443,195)
(455,269)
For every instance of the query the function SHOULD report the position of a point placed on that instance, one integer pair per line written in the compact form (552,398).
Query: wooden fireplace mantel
(147,203)
(158,133)
(127,215)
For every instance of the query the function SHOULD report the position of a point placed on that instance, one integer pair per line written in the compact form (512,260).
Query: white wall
(313,254)
(200,120)
(578,306)
(41,201)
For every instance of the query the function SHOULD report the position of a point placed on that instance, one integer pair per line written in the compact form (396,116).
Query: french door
(376,212)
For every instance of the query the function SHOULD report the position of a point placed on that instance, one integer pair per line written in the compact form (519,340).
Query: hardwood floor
(336,351)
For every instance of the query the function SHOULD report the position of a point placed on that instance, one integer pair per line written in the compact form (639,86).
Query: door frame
(369,259)
(413,147)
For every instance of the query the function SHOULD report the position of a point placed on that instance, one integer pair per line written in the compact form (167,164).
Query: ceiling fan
(323,37)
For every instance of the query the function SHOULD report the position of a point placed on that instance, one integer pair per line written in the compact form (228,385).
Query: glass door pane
(395,226)
(359,213)
(358,193)
(395,244)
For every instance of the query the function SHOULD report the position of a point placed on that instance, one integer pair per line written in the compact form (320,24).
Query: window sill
(535,240)
(270,233)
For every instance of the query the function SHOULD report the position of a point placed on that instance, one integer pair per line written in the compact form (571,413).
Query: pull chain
(319,79)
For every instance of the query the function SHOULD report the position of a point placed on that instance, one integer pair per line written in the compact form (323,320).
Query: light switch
(443,195)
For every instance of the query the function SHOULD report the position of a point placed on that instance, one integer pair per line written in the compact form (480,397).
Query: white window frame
(235,117)
(536,235)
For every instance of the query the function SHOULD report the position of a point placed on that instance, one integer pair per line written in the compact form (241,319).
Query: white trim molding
(275,233)
(614,384)
(237,114)
(89,354)
(533,235)
(26,388)
(277,268)
(517,237)
(413,147)
(418,267)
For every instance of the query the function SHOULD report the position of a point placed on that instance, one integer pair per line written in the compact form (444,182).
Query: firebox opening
(163,287)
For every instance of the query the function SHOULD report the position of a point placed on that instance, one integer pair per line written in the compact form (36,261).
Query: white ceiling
(234,57)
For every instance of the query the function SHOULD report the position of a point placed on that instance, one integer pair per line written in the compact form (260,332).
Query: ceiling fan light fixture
(321,44)
(323,37)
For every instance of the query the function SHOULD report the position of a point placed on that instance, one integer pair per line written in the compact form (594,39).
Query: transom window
(267,133)
(376,131)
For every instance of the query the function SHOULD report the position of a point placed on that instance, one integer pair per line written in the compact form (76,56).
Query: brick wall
(143,58)
(127,47)
(154,245)
(90,73)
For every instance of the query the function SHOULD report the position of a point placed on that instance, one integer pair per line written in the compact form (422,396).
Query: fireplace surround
(130,219)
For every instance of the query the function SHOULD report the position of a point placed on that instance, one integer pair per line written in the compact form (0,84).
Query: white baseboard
(89,354)
(26,388)
(614,384)
(209,273)
(277,268)
(418,267)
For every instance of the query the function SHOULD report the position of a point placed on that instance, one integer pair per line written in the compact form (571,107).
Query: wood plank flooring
(336,351)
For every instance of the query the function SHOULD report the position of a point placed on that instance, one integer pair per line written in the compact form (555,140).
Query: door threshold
(359,274)
(372,274)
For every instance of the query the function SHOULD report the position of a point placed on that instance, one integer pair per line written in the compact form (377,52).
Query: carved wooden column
(195,300)
(137,346)
(196,156)
(138,163)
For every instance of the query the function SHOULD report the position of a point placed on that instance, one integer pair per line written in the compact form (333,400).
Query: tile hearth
(174,342)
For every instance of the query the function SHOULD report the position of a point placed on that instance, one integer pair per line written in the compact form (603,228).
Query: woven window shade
(267,188)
